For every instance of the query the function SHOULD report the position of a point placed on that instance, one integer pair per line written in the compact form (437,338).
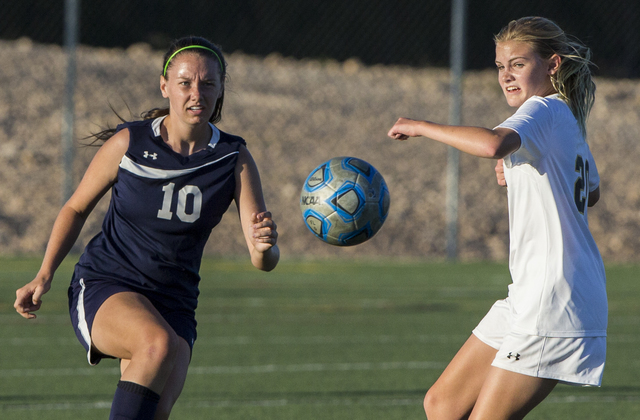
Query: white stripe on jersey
(155,173)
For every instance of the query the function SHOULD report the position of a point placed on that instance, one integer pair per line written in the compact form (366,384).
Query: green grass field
(311,340)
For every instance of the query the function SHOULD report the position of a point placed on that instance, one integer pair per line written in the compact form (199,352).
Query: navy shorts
(86,297)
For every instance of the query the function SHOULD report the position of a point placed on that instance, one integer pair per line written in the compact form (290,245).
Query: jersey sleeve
(230,138)
(533,122)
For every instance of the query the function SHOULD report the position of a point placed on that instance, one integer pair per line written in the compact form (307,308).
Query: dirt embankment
(295,115)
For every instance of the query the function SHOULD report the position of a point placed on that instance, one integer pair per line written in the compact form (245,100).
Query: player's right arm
(477,141)
(99,177)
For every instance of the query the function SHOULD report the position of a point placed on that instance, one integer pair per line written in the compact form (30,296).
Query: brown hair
(210,49)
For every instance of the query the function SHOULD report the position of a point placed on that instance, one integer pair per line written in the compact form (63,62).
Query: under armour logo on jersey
(153,156)
(514,356)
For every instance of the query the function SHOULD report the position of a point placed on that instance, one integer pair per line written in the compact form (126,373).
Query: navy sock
(133,402)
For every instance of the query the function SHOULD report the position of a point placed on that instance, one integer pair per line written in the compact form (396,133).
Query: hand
(265,234)
(28,298)
(403,129)
(500,173)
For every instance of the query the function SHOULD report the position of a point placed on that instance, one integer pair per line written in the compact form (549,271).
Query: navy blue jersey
(163,208)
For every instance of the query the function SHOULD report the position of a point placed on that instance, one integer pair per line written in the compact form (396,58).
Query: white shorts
(573,361)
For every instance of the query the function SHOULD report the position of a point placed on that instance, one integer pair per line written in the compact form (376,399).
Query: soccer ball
(344,201)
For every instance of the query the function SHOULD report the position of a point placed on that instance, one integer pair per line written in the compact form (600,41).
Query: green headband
(188,47)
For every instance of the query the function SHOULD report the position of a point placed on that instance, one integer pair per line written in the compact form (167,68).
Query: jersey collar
(215,132)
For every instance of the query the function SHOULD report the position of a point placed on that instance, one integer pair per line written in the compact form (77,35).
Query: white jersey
(558,287)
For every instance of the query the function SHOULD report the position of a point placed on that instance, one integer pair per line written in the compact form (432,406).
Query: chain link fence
(322,77)
(411,32)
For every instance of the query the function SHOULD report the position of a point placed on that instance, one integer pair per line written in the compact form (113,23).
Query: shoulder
(537,105)
(536,112)
(118,143)
(135,125)
(551,105)
(107,159)
(231,139)
(244,156)
(535,122)
(145,140)
(554,103)
(137,129)
(245,165)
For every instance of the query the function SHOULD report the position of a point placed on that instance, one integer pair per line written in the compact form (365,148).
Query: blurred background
(307,81)
(408,32)
(336,333)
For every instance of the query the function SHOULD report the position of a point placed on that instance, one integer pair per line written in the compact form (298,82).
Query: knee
(158,345)
(434,404)
(428,403)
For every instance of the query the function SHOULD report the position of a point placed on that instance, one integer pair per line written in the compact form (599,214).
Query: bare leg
(175,383)
(454,394)
(509,395)
(127,326)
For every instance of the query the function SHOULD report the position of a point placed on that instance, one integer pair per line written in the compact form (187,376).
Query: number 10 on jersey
(185,193)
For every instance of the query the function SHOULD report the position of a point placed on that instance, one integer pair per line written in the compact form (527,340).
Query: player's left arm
(258,226)
(499,168)
(594,196)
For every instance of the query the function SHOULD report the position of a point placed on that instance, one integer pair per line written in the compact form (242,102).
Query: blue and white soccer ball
(344,201)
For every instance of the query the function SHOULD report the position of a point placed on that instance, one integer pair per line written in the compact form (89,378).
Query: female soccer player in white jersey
(173,175)
(552,326)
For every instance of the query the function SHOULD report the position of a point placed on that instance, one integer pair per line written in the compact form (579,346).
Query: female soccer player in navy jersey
(552,326)
(173,175)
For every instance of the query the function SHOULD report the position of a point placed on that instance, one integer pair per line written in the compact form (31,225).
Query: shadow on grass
(339,397)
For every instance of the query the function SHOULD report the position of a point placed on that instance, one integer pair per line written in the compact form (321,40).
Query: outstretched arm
(260,231)
(96,182)
(477,141)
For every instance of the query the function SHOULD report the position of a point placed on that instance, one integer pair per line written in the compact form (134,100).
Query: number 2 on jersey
(181,210)
(581,188)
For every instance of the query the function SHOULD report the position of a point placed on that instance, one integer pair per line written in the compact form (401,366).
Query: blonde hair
(573,80)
